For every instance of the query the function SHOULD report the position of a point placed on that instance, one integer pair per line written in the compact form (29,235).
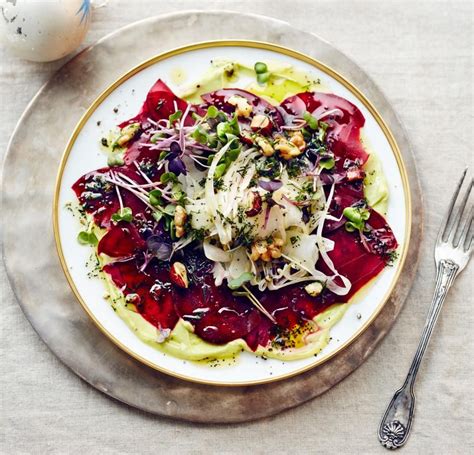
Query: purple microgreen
(270,185)
(305,216)
(159,247)
(175,148)
(177,166)
(271,202)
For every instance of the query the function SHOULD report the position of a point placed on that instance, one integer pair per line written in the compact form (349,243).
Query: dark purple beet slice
(159,104)
(343,133)
(121,241)
(155,300)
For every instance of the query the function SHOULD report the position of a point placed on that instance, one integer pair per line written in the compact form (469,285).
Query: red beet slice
(343,133)
(126,274)
(159,104)
(218,316)
(236,321)
(155,302)
(345,195)
(121,241)
(352,259)
(96,196)
(100,198)
(159,311)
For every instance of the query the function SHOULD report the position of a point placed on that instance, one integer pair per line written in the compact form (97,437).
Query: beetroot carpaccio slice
(218,314)
(159,104)
(344,122)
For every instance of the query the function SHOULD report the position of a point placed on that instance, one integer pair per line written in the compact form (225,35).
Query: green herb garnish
(311,121)
(175,117)
(199,135)
(212,112)
(155,198)
(327,163)
(124,214)
(157,215)
(357,217)
(226,131)
(262,72)
(236,283)
(155,137)
(322,131)
(168,177)
(169,209)
(87,238)
(220,169)
(263,78)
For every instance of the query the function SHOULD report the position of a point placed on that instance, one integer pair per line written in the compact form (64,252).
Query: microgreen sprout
(175,117)
(236,283)
(327,163)
(124,214)
(87,238)
(155,197)
(311,121)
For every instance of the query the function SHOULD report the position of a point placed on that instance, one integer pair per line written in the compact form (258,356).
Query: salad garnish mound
(235,222)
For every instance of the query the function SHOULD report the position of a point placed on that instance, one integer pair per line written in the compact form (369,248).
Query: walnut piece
(287,149)
(180,217)
(314,289)
(265,146)
(259,122)
(127,133)
(266,250)
(242,106)
(298,140)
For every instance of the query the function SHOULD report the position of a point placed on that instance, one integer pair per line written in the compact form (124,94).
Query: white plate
(83,155)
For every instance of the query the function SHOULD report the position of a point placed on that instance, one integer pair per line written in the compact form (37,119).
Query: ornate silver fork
(452,253)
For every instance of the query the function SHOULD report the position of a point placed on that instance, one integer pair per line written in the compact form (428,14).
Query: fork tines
(457,227)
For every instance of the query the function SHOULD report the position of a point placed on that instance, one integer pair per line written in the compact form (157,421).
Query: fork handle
(397,420)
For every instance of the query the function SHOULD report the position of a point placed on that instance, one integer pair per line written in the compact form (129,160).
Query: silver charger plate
(33,266)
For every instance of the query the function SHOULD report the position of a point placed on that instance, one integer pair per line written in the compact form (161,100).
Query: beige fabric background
(421,55)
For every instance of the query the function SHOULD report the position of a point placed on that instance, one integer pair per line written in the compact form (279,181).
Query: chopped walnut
(259,122)
(180,217)
(298,140)
(179,275)
(314,289)
(266,251)
(287,149)
(265,146)
(242,106)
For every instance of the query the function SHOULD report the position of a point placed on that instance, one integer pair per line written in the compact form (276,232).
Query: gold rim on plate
(256,45)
